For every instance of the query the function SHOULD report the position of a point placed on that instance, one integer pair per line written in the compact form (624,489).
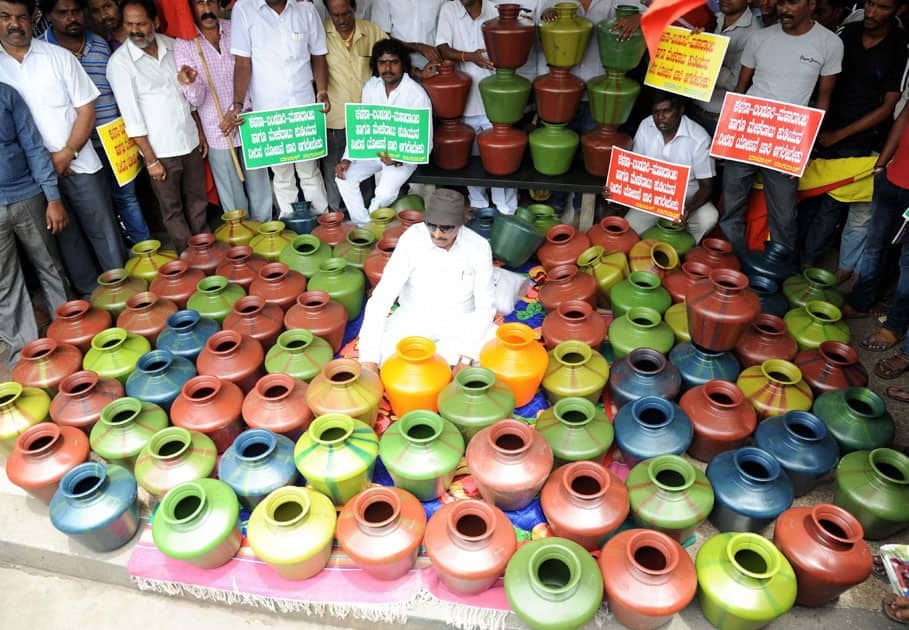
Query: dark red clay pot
(378,258)
(77,322)
(232,357)
(278,403)
(176,282)
(508,39)
(563,245)
(452,144)
(322,316)
(573,320)
(767,338)
(448,91)
(278,285)
(405,219)
(254,317)
(720,309)
(44,363)
(146,315)
(332,228)
(721,418)
(212,406)
(596,147)
(565,282)
(557,94)
(501,149)
(204,252)
(679,280)
(43,454)
(241,266)
(80,398)
(715,253)
(832,365)
(613,234)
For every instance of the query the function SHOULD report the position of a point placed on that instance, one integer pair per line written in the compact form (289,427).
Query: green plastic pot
(640,327)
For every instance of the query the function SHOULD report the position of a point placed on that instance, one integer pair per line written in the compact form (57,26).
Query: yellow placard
(687,64)
(121,150)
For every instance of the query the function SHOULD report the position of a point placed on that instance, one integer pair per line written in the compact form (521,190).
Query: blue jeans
(887,206)
(852,243)
(126,204)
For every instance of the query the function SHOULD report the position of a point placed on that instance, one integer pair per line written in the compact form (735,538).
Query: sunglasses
(444,229)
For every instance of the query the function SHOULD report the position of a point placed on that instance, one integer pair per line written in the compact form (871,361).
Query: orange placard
(767,133)
(647,184)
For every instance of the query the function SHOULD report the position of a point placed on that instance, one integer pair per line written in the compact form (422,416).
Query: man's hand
(62,159)
(322,97)
(627,26)
(370,365)
(157,171)
(230,121)
(479,58)
(386,159)
(605,194)
(428,71)
(430,52)
(549,15)
(828,138)
(203,145)
(341,169)
(186,76)
(55,215)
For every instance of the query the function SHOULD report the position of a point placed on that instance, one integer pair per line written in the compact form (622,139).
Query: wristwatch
(75,153)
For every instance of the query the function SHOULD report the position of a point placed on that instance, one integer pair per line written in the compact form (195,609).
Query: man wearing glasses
(442,278)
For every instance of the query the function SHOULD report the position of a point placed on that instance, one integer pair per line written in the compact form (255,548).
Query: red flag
(176,19)
(659,15)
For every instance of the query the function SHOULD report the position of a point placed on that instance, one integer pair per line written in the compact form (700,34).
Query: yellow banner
(687,64)
(121,150)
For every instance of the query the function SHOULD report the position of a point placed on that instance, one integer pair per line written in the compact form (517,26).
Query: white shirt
(689,147)
(409,21)
(738,34)
(432,283)
(150,98)
(53,84)
(280,46)
(409,93)
(462,32)
(599,10)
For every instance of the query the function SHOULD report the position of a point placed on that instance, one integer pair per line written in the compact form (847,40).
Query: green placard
(281,136)
(402,131)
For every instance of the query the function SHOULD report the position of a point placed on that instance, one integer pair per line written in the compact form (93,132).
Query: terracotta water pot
(232,357)
(176,282)
(204,253)
(452,143)
(43,454)
(80,398)
(509,462)
(240,266)
(212,406)
(501,149)
(715,253)
(564,282)
(573,320)
(509,38)
(613,234)
(378,258)
(720,310)
(558,94)
(562,247)
(44,362)
(77,322)
(596,148)
(278,285)
(584,502)
(278,404)
(332,228)
(678,281)
(322,316)
(405,219)
(832,365)
(146,315)
(469,543)
(448,91)
(253,317)
(721,418)
(767,338)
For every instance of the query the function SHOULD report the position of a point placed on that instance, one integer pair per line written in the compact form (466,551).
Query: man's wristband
(462,56)
(238,105)
(155,163)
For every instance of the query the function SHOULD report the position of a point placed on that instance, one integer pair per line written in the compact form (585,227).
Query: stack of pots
(452,139)
(612,95)
(508,42)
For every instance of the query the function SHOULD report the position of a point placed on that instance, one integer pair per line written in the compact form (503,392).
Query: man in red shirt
(888,223)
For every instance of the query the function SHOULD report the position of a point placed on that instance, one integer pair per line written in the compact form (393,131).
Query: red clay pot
(509,462)
(146,315)
(565,282)
(563,245)
(332,228)
(508,39)
(44,362)
(232,357)
(253,317)
(648,577)
(240,266)
(469,543)
(720,309)
(204,252)
(558,94)
(319,314)
(278,403)
(825,547)
(679,280)
(596,147)
(613,234)
(715,253)
(832,365)
(584,502)
(77,322)
(43,454)
(405,219)
(448,91)
(209,405)
(452,143)
(767,338)
(176,282)
(81,397)
(279,285)
(501,149)
(378,258)
(573,320)
(381,529)
(721,418)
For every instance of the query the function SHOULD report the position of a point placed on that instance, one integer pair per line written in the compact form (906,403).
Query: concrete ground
(49,582)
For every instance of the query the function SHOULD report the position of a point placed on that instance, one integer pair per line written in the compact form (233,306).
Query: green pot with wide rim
(641,288)
(115,353)
(20,408)
(575,370)
(172,456)
(873,486)
(640,327)
(475,400)
(565,39)
(356,246)
(198,522)
(812,285)
(337,455)
(299,354)
(125,427)
(505,95)
(514,238)
(215,297)
(115,286)
(856,417)
(673,233)
(607,268)
(304,254)
(552,148)
(147,258)
(817,322)
(576,430)
(342,281)
(421,451)
(270,240)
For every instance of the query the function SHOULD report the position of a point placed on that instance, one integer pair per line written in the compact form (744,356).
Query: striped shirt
(94,60)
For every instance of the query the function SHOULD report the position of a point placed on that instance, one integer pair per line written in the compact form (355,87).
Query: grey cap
(446,207)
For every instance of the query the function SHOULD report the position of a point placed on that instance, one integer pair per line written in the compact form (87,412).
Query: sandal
(880,340)
(887,605)
(892,366)
(899,394)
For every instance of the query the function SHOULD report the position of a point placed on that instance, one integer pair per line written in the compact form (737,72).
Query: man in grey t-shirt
(782,62)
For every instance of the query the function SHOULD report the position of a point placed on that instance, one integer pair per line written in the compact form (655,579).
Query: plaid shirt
(221,67)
